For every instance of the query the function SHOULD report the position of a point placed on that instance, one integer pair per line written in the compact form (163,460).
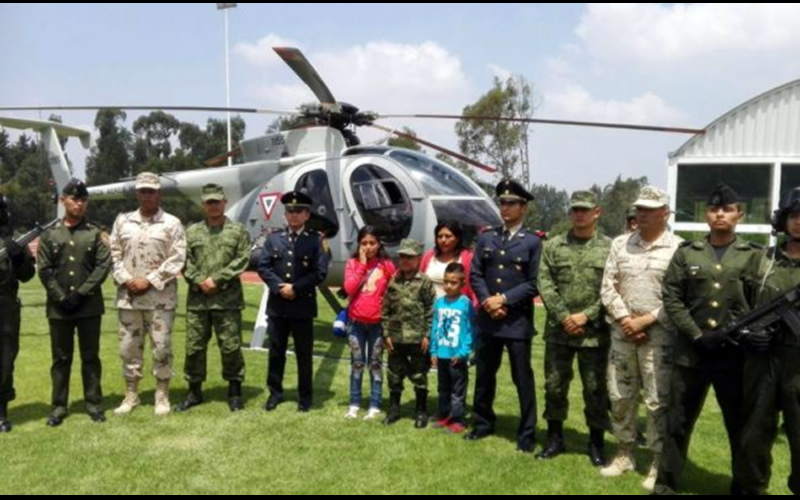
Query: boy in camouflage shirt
(407,316)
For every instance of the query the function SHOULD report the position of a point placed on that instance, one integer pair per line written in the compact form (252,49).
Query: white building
(755,148)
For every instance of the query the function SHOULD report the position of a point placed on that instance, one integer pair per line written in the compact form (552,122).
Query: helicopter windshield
(435,177)
(383,203)
(475,216)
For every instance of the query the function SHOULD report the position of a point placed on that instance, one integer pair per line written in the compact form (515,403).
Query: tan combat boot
(131,400)
(621,464)
(162,398)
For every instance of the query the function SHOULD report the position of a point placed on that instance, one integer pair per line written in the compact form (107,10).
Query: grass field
(211,451)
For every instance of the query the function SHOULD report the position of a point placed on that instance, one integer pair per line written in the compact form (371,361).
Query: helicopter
(400,192)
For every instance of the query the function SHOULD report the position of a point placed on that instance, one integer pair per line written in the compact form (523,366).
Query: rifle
(785,308)
(28,237)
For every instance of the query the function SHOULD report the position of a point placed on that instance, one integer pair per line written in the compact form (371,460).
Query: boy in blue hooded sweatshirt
(451,346)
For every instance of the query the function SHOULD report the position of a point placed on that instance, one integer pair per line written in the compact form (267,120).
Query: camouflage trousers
(558,371)
(634,372)
(134,326)
(199,327)
(407,360)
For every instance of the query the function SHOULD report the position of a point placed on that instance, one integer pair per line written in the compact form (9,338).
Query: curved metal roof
(766,126)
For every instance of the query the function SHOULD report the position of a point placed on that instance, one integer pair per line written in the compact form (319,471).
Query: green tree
(615,200)
(501,144)
(405,142)
(152,144)
(549,209)
(110,158)
(109,161)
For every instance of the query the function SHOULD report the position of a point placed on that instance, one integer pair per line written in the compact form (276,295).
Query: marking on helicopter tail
(268,203)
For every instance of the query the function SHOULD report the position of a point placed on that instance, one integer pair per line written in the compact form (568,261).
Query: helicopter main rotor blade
(627,126)
(220,159)
(441,149)
(148,108)
(303,68)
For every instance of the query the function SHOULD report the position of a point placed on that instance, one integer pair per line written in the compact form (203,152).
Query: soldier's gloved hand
(757,341)
(16,252)
(710,341)
(14,249)
(71,302)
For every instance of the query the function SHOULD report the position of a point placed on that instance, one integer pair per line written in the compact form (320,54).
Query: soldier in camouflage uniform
(570,280)
(407,317)
(148,248)
(218,252)
(640,358)
(74,261)
(771,369)
(17,266)
(702,293)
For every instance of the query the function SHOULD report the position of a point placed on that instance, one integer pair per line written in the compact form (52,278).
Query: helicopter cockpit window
(382,202)
(436,178)
(474,215)
(323,215)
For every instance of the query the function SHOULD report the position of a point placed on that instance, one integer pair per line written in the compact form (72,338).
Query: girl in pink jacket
(366,278)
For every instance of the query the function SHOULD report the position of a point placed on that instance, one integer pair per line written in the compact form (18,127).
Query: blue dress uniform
(299,260)
(506,264)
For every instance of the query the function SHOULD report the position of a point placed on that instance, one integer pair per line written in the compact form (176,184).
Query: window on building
(790,178)
(696,182)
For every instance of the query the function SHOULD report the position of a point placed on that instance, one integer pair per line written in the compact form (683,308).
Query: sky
(661,64)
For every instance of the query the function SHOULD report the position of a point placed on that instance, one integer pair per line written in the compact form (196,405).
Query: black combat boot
(5,423)
(235,402)
(597,448)
(421,421)
(555,441)
(194,398)
(394,408)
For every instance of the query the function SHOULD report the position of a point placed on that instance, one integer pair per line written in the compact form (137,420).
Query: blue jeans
(366,345)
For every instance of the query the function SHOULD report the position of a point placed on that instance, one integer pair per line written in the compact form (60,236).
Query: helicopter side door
(381,194)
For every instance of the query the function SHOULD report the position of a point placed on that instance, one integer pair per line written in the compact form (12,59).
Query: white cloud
(381,76)
(661,33)
(260,53)
(576,102)
(500,72)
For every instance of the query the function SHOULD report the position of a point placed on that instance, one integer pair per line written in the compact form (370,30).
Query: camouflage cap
(147,180)
(410,248)
(583,199)
(652,197)
(213,192)
(76,188)
(630,213)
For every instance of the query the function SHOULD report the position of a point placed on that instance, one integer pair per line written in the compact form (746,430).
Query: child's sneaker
(441,423)
(456,428)
(372,414)
(352,412)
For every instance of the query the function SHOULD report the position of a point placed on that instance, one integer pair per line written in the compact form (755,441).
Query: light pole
(225,7)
